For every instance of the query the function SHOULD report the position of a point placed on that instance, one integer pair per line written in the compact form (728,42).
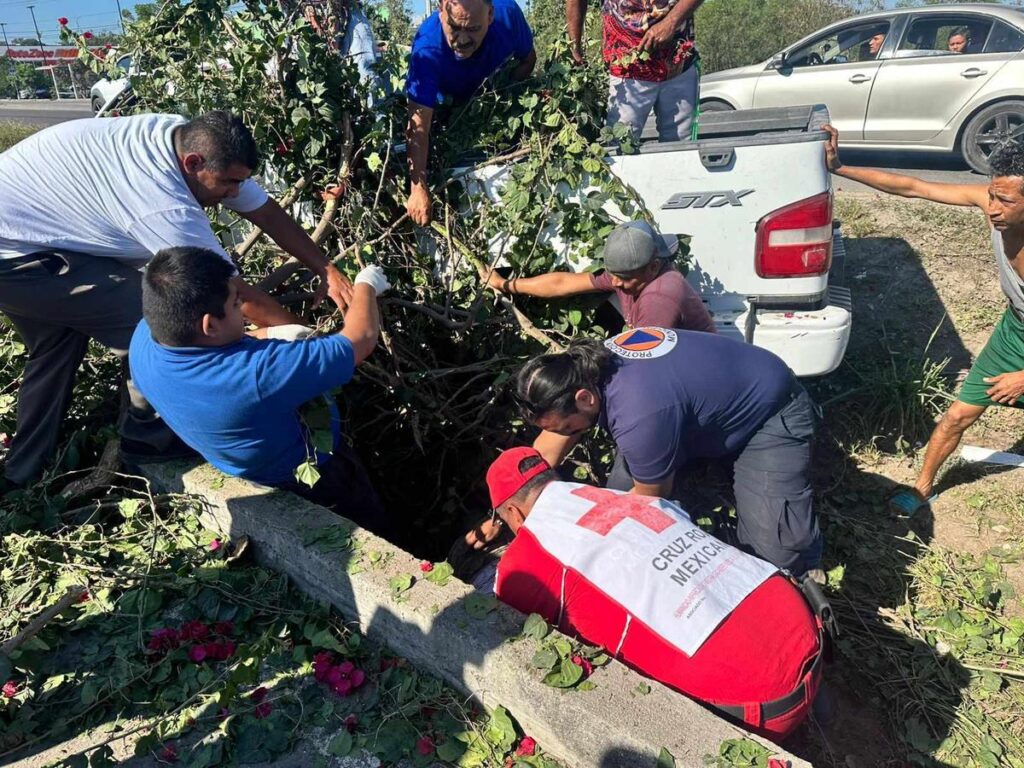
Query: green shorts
(1004,353)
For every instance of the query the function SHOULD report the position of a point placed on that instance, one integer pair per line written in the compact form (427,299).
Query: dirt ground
(924,286)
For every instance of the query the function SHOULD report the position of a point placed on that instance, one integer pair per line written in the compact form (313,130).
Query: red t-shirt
(668,301)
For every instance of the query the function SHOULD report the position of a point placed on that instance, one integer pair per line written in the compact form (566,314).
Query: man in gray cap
(638,268)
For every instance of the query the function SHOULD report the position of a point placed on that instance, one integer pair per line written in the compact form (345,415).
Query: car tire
(97,104)
(988,129)
(714,105)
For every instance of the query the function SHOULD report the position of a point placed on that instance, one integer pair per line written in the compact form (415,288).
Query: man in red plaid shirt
(650,51)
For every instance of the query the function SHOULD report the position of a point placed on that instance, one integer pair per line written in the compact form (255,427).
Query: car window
(125,63)
(934,35)
(852,43)
(1005,39)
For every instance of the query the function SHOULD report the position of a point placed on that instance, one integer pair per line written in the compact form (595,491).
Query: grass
(11,133)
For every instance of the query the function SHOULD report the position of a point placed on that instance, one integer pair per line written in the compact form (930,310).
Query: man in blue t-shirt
(235,398)
(669,396)
(455,49)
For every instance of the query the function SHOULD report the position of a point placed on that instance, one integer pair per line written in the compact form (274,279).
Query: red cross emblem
(612,508)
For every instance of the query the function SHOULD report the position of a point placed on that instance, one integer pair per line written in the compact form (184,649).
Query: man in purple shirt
(639,270)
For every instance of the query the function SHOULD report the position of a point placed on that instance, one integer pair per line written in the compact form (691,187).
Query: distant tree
(141,12)
(24,41)
(391,21)
(734,33)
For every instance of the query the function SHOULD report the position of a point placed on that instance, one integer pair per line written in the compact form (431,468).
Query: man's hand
(658,35)
(374,277)
(1006,387)
(418,205)
(576,49)
(335,285)
(483,534)
(832,149)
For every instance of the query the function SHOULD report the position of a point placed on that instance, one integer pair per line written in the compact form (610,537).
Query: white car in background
(106,91)
(912,92)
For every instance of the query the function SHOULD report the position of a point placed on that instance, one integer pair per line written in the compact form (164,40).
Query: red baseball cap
(504,477)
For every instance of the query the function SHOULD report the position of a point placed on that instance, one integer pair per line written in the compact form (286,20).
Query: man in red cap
(632,574)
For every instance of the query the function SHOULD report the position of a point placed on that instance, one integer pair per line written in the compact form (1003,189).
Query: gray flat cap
(632,246)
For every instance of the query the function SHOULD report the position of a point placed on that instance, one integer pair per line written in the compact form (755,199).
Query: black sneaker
(134,452)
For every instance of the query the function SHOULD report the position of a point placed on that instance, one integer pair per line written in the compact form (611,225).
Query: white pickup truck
(755,197)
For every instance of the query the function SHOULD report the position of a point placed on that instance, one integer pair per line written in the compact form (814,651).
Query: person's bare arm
(418,137)
(293,240)
(525,67)
(548,286)
(362,321)
(260,308)
(661,489)
(661,32)
(554,448)
(905,186)
(575,15)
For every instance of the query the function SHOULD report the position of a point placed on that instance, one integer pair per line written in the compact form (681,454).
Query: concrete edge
(612,726)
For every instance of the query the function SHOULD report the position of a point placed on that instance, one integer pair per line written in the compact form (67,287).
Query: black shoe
(134,452)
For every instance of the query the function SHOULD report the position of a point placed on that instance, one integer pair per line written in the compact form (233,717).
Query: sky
(93,15)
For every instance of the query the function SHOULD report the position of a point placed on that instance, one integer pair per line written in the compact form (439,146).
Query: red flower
(263,710)
(194,630)
(351,723)
(526,748)
(87,35)
(774,762)
(169,754)
(425,746)
(579,661)
(197,653)
(258,695)
(166,639)
(224,627)
(215,545)
(63,21)
(10,689)
(85,597)
(107,47)
(426,567)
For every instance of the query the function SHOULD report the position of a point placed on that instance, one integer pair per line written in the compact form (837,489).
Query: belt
(779,707)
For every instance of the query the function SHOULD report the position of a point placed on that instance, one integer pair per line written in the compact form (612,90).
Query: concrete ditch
(446,631)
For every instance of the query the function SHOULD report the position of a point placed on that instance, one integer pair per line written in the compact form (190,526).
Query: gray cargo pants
(771,481)
(57,301)
(673,101)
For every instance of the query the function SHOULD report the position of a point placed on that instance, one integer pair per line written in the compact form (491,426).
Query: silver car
(941,77)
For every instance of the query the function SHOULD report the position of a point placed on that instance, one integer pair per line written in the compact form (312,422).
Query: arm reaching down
(905,186)
(418,136)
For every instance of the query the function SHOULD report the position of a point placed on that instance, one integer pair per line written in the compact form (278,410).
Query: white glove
(290,332)
(374,277)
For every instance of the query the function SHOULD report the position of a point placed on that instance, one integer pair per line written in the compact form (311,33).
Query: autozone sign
(706,199)
(29,53)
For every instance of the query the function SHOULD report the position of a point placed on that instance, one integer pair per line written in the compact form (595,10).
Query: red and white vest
(634,575)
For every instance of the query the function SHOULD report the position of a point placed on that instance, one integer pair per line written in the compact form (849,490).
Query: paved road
(42,112)
(927,166)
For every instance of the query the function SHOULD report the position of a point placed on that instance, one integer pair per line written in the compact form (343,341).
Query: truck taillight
(796,241)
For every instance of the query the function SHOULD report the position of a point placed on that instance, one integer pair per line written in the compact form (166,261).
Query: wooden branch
(35,626)
(484,271)
(285,202)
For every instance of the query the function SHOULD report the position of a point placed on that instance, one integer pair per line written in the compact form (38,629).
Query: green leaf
(341,745)
(129,507)
(307,473)
(566,676)
(500,730)
(451,751)
(374,162)
(586,685)
(545,658)
(441,574)
(643,689)
(536,627)
(478,606)
(665,759)
(401,583)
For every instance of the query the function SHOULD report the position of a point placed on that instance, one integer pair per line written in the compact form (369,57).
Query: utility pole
(120,15)
(53,74)
(10,61)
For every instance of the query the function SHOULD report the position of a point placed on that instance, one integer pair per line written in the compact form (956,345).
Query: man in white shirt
(83,207)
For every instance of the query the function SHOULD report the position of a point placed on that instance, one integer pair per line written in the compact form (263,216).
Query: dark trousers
(771,481)
(57,301)
(344,487)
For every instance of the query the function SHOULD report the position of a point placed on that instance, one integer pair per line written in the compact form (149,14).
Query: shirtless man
(997,377)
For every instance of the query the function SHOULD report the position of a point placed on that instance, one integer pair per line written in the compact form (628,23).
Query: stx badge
(706,199)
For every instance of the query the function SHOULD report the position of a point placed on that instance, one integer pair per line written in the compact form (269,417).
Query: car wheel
(990,128)
(97,104)
(714,105)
